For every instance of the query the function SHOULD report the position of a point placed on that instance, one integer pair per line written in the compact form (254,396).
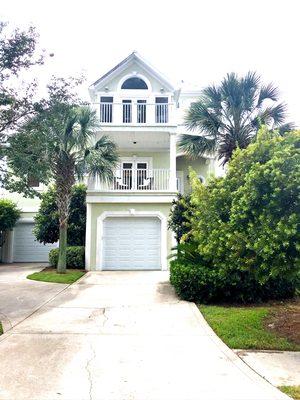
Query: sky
(197,41)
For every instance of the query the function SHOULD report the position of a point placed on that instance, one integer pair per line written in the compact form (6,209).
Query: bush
(75,257)
(246,227)
(180,215)
(9,214)
(46,228)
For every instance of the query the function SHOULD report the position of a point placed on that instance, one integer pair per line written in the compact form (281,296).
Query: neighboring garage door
(26,247)
(131,243)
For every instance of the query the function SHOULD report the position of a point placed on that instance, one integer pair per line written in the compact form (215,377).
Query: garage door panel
(131,243)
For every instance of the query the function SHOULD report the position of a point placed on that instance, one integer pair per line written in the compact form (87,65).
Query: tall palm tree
(229,115)
(59,145)
(76,155)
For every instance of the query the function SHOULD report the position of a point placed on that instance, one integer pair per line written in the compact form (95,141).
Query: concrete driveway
(19,296)
(122,336)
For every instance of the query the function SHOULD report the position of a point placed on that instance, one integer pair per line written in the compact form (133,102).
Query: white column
(173,162)
(88,237)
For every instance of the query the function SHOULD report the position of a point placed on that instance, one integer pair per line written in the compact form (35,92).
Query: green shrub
(9,214)
(180,215)
(246,227)
(46,228)
(75,257)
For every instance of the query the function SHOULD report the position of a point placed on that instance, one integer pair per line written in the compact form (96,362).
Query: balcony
(135,113)
(136,180)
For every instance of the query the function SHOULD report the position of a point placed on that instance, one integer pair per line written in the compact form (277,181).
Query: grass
(245,328)
(50,275)
(293,391)
(1,329)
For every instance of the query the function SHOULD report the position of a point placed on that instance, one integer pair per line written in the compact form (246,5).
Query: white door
(26,248)
(131,243)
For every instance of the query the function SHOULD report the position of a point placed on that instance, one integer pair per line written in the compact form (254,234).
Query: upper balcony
(136,112)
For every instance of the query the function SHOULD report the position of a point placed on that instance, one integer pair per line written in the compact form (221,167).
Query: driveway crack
(88,370)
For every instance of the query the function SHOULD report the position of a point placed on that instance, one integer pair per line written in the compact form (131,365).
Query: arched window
(134,83)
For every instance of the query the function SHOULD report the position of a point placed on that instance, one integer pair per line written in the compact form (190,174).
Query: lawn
(50,275)
(254,327)
(1,329)
(293,391)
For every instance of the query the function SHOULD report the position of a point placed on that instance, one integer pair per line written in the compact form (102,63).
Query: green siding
(201,166)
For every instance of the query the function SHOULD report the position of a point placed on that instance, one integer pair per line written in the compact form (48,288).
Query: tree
(229,115)
(58,145)
(246,226)
(17,54)
(9,215)
(46,227)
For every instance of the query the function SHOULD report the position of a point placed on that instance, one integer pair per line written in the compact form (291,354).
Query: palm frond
(199,117)
(287,127)
(196,146)
(249,85)
(267,92)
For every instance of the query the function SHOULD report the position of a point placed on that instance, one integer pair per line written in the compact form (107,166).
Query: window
(33,182)
(161,110)
(134,83)
(106,109)
(126,111)
(141,111)
(201,178)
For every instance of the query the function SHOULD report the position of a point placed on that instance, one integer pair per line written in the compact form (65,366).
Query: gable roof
(133,57)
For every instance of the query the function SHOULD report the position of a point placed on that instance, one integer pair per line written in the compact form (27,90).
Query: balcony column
(173,162)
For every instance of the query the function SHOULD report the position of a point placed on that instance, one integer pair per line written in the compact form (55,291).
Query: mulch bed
(284,320)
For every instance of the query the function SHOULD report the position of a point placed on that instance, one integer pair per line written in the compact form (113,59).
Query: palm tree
(229,115)
(58,145)
(75,155)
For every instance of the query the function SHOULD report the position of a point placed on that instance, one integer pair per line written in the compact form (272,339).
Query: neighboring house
(127,219)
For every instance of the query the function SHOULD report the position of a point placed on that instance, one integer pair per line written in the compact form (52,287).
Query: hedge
(75,257)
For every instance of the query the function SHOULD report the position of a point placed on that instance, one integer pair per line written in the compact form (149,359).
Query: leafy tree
(46,228)
(246,226)
(17,54)
(180,215)
(229,115)
(9,215)
(59,145)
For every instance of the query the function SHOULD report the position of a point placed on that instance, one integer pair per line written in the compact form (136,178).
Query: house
(142,111)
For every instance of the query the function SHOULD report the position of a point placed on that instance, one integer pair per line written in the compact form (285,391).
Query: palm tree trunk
(62,256)
(64,182)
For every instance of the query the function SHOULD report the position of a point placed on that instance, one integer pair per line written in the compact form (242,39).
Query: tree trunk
(62,256)
(64,179)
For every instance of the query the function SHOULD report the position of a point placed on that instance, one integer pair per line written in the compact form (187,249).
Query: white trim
(88,236)
(131,214)
(119,197)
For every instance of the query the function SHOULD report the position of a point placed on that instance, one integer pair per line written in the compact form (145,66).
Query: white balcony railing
(135,113)
(136,180)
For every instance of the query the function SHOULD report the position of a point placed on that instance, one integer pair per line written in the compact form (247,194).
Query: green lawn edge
(1,329)
(71,276)
(292,391)
(243,328)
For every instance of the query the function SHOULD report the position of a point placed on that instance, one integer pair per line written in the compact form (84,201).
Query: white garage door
(131,243)
(26,247)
